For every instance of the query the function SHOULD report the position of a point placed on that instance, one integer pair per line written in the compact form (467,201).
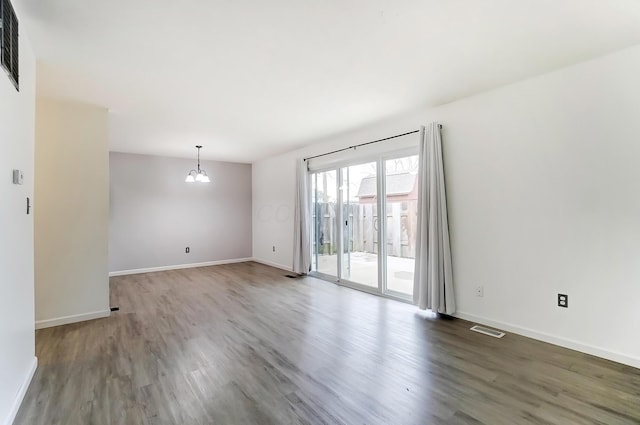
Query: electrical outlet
(187,250)
(563,300)
(479,291)
(274,248)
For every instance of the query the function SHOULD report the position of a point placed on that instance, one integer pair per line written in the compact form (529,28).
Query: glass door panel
(359,194)
(401,184)
(325,229)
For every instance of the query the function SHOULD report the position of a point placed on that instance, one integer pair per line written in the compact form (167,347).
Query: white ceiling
(248,79)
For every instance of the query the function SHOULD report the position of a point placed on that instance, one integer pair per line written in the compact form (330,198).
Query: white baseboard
(178,266)
(65,320)
(552,339)
(21,392)
(271,264)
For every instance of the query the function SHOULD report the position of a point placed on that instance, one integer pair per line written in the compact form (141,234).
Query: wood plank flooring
(242,344)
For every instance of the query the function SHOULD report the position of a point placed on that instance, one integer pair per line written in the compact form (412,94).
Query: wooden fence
(361,234)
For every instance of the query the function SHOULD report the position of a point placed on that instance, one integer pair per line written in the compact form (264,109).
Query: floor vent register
(488,331)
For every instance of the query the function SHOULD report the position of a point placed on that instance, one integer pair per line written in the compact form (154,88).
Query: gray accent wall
(154,215)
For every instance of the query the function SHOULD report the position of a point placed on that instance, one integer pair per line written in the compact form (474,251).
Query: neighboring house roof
(397,184)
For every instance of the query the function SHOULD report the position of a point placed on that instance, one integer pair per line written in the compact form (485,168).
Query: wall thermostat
(18,177)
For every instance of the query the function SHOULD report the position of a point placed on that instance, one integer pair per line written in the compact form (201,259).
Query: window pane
(401,176)
(360,248)
(325,226)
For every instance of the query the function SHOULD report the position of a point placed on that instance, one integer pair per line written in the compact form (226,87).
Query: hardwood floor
(242,344)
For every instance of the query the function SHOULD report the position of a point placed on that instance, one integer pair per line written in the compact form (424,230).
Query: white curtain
(433,279)
(302,221)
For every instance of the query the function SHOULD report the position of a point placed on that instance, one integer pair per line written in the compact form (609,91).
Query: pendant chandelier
(198,175)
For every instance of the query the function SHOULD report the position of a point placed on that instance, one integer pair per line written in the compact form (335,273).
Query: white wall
(155,215)
(542,181)
(71,213)
(17,350)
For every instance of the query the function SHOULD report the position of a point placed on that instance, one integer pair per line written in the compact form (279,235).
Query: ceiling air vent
(487,331)
(9,50)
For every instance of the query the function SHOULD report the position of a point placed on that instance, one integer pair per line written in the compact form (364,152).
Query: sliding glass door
(359,189)
(364,217)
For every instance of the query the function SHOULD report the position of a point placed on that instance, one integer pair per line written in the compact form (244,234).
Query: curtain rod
(364,144)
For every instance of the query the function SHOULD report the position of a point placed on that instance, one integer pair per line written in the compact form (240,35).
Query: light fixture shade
(199,177)
(205,179)
(190,179)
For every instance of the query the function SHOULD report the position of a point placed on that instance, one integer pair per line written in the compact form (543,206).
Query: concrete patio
(364,270)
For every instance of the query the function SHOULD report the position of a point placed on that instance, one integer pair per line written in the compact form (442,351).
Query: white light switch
(18,177)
